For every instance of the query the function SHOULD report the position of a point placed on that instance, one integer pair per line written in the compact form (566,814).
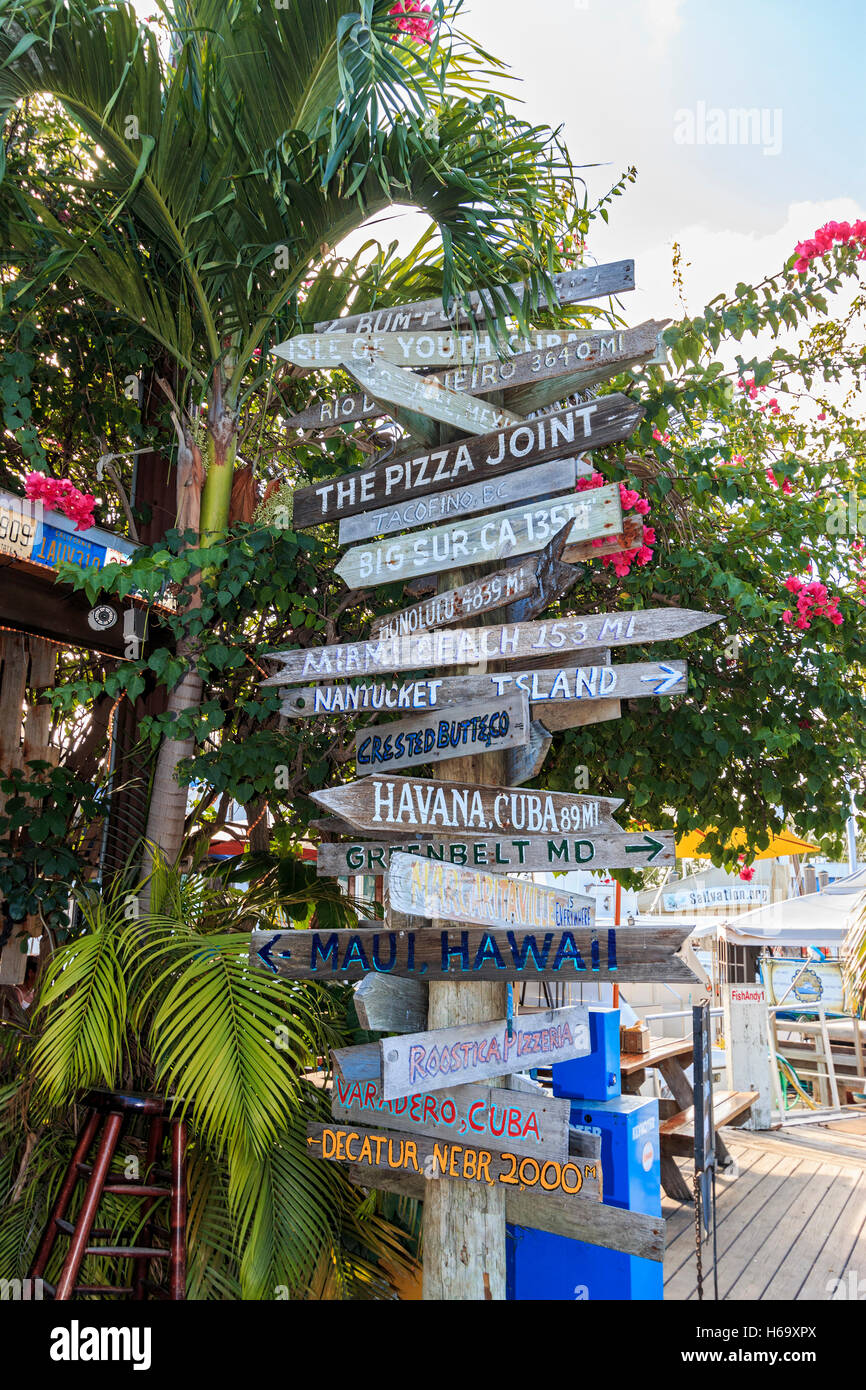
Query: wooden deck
(791,1221)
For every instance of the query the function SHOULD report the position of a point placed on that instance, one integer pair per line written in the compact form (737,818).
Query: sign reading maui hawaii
(503,854)
(534,379)
(423,888)
(561,433)
(550,686)
(595,514)
(528,1123)
(417,805)
(480,727)
(474,1051)
(470,646)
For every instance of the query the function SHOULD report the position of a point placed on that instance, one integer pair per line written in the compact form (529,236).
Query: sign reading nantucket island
(560,434)
(423,888)
(481,727)
(452,1056)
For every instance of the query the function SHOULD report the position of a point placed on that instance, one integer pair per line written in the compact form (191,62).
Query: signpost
(560,434)
(526,1123)
(381,802)
(507,854)
(517,531)
(422,888)
(445,1057)
(426,347)
(498,642)
(557,475)
(394,386)
(479,727)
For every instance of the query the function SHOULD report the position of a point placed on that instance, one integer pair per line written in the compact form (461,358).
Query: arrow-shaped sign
(671,676)
(651,847)
(266,953)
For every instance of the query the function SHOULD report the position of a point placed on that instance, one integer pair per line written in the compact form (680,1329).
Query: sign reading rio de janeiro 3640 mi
(426,888)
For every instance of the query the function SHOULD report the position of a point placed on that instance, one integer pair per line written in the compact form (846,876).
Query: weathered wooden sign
(633,954)
(445,892)
(384,1150)
(536,582)
(480,539)
(557,435)
(498,642)
(571,286)
(395,386)
(523,1122)
(504,854)
(381,802)
(446,1057)
(531,379)
(630,1232)
(480,727)
(545,689)
(425,347)
(556,475)
(391,1004)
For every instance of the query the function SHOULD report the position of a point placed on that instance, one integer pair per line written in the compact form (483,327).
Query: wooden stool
(111,1109)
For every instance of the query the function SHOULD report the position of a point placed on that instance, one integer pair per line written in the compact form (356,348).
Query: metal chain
(698,1256)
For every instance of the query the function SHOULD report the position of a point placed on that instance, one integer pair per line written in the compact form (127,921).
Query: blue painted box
(596,1075)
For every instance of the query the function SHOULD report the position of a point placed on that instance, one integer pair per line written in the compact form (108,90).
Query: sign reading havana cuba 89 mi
(426,888)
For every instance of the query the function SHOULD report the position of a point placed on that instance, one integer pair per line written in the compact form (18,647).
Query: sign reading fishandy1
(557,435)
(617,850)
(498,642)
(451,1056)
(424,888)
(480,727)
(414,804)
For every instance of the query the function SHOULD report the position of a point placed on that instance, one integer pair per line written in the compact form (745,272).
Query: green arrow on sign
(649,846)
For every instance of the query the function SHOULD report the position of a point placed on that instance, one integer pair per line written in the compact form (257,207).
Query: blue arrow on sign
(670,678)
(265,954)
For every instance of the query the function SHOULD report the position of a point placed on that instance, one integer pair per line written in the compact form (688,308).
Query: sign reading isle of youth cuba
(427,888)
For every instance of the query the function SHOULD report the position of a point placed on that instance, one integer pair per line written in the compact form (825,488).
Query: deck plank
(771,1236)
(811,1239)
(834,1259)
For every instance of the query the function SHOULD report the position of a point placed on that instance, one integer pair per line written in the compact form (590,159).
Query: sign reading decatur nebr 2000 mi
(480,727)
(424,888)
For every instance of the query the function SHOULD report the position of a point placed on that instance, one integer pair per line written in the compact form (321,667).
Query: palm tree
(233,161)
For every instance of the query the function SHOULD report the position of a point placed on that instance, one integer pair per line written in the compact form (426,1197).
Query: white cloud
(663,20)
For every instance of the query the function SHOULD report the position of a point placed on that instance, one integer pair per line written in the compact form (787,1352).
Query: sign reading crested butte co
(424,888)
(502,854)
(549,686)
(481,727)
(596,514)
(557,435)
(415,804)
(471,646)
(451,1056)
(570,287)
(633,954)
(592,357)
(531,1123)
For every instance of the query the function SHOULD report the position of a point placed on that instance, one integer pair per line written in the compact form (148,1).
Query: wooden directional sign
(525,1123)
(480,727)
(447,1057)
(471,646)
(571,286)
(391,1004)
(632,954)
(480,539)
(524,763)
(390,1151)
(618,849)
(393,385)
(531,380)
(423,888)
(555,578)
(560,434)
(382,802)
(432,347)
(630,1232)
(556,475)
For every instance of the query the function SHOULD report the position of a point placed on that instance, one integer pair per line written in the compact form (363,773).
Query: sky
(652,83)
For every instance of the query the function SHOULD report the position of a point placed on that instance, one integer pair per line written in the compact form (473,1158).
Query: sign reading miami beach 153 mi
(445,892)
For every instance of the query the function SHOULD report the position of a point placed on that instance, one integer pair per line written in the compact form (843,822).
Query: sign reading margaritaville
(424,888)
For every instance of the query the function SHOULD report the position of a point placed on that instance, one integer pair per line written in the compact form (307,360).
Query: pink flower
(747,874)
(59,494)
(410,21)
(836,619)
(644,555)
(793,584)
(823,415)
(787,616)
(649,535)
(642,506)
(802,622)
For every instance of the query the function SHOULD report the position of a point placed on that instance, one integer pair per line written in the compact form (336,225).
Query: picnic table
(670,1057)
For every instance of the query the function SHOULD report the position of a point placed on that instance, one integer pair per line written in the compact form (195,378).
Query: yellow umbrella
(781,845)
